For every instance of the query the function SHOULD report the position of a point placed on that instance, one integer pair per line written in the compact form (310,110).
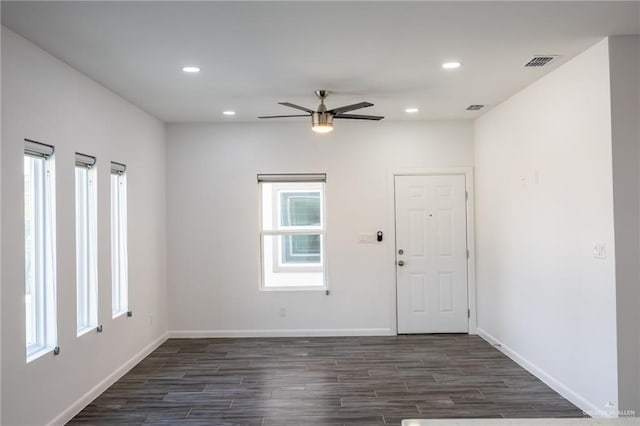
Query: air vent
(475,107)
(540,61)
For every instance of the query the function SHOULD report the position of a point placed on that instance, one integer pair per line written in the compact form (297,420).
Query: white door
(431,254)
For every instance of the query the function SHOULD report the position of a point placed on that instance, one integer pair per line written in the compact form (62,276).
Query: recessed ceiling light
(451,65)
(229,112)
(191,69)
(411,110)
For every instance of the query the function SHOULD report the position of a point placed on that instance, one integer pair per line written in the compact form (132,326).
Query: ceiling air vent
(539,61)
(475,107)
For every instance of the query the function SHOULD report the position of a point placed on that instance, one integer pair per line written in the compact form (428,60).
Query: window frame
(277,230)
(43,268)
(119,241)
(86,245)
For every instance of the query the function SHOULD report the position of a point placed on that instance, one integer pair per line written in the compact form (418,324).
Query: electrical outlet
(536,177)
(283,312)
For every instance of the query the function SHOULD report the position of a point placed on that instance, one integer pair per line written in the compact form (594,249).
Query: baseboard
(86,399)
(282,333)
(564,390)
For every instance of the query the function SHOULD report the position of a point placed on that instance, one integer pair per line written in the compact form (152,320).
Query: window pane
(292,234)
(115,286)
(119,290)
(277,272)
(82,280)
(291,204)
(86,250)
(39,256)
(299,208)
(301,249)
(30,249)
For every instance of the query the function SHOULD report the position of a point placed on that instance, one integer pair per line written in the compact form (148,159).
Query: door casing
(471,270)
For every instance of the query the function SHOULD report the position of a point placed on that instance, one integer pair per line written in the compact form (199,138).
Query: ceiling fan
(322,119)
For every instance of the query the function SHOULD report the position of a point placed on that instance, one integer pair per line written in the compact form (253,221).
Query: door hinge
(468,313)
(466,195)
(467,253)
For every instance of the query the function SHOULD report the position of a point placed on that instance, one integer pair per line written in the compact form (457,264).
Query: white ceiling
(255,54)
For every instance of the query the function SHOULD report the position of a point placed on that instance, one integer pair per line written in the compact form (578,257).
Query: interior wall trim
(555,384)
(98,389)
(316,332)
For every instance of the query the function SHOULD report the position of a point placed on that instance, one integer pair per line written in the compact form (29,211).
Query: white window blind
(83,160)
(37,149)
(293,177)
(118,168)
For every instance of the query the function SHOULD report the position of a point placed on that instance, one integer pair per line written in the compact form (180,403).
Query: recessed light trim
(451,65)
(229,112)
(411,110)
(190,69)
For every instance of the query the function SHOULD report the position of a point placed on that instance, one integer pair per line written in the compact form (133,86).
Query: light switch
(599,251)
(367,238)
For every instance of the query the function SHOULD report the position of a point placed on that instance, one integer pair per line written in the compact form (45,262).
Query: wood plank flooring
(323,381)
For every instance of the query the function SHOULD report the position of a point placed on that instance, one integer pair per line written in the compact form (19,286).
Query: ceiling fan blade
(346,108)
(283,116)
(301,108)
(359,117)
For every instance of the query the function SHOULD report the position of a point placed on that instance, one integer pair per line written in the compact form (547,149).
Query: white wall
(0,239)
(541,294)
(625,112)
(45,100)
(213,221)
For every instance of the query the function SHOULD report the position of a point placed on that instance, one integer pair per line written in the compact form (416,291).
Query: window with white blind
(39,246)
(86,244)
(293,231)
(119,264)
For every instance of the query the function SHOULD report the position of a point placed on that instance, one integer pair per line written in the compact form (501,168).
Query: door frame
(471,246)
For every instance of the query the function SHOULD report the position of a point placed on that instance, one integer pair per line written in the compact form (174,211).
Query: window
(39,245)
(293,231)
(86,244)
(119,274)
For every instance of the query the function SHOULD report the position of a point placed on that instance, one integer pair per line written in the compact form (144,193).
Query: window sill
(85,330)
(118,314)
(37,353)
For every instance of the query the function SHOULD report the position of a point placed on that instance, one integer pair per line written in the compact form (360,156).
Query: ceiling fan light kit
(321,122)
(322,119)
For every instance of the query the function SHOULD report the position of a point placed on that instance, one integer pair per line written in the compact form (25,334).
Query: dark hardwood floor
(323,381)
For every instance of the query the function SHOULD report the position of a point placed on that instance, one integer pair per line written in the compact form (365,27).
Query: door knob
(400,262)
